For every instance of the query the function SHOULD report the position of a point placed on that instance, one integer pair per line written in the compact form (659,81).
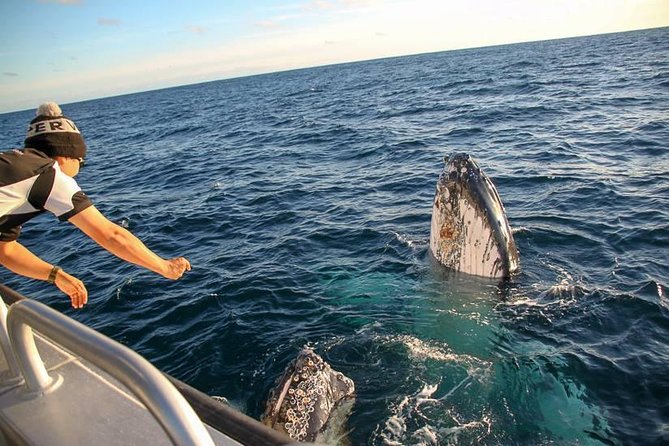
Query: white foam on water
(452,433)
(119,289)
(418,418)
(411,242)
(564,293)
(409,425)
(395,426)
(426,435)
(519,229)
(660,290)
(425,395)
(419,349)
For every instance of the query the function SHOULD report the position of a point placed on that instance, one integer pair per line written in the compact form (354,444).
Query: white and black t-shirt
(31,183)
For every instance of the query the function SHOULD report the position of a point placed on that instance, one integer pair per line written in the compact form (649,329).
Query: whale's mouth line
(276,407)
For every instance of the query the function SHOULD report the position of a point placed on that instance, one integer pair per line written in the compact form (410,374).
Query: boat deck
(87,406)
(82,403)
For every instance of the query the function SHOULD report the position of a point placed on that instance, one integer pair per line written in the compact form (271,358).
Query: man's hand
(176,267)
(73,287)
(16,257)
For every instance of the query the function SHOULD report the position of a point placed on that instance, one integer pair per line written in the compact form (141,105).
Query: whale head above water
(305,397)
(469,231)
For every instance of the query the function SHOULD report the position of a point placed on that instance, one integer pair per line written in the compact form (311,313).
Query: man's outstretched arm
(120,242)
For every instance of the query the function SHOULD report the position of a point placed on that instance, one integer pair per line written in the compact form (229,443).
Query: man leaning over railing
(40,178)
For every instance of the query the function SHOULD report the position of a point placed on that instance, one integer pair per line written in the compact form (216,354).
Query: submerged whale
(306,397)
(469,230)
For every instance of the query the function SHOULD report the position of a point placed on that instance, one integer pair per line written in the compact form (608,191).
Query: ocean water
(303,201)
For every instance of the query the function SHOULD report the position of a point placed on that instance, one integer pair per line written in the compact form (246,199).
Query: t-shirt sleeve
(80,201)
(66,198)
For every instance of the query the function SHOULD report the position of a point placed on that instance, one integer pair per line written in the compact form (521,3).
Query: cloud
(330,5)
(10,74)
(268,24)
(106,21)
(63,2)
(319,5)
(359,2)
(196,29)
(342,4)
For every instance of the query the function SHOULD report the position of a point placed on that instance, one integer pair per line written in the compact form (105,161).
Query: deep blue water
(303,201)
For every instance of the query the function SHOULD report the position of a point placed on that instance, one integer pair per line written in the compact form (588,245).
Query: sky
(72,50)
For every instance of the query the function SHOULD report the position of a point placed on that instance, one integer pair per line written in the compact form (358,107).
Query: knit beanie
(54,134)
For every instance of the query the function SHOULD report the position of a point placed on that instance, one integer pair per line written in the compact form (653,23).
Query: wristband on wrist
(53,274)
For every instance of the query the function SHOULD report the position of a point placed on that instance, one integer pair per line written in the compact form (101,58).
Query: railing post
(30,362)
(13,374)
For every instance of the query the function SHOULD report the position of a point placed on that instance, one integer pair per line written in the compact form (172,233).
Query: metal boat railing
(151,387)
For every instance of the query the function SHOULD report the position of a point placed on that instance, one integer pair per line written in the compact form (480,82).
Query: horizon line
(288,70)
